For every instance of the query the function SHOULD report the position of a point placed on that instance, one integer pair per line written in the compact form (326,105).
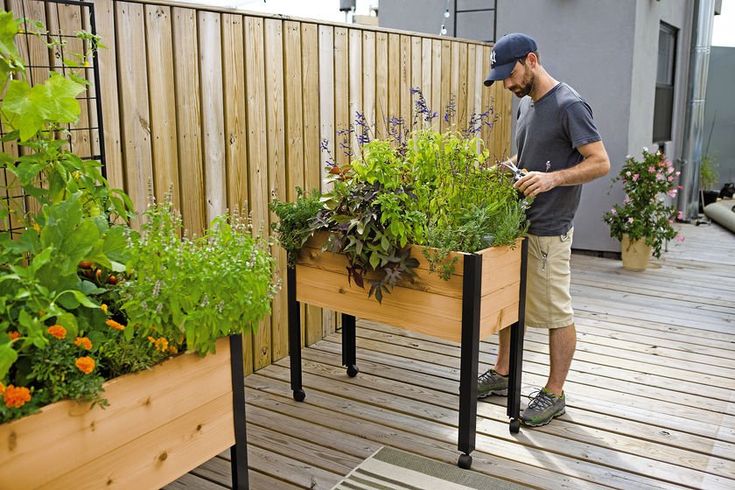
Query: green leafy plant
(709,177)
(196,290)
(645,214)
(416,186)
(293,226)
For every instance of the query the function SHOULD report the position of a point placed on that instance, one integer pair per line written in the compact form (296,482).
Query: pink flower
(680,216)
(651,169)
(672,193)
(678,173)
(630,220)
(660,177)
(679,238)
(636,177)
(671,178)
(626,200)
(613,211)
(679,187)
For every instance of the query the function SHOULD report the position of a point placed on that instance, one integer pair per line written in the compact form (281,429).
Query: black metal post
(294,336)
(471,289)
(238,452)
(516,349)
(349,345)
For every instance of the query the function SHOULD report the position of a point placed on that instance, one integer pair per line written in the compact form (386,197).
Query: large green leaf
(8,355)
(62,104)
(23,106)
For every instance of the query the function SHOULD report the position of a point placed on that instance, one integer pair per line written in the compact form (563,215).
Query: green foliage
(196,289)
(422,187)
(709,177)
(292,227)
(645,213)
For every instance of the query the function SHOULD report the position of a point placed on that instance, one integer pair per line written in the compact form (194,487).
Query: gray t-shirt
(550,130)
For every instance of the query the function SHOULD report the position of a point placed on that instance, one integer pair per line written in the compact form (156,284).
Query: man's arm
(596,164)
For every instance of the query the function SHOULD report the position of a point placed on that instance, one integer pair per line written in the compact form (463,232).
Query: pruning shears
(517,172)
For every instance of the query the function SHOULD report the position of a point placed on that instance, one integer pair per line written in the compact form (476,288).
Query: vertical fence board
(382,112)
(355,80)
(368,76)
(418,68)
(342,101)
(276,150)
(395,73)
(426,72)
(163,102)
(188,122)
(487,100)
(213,119)
(462,86)
(312,174)
(257,158)
(406,81)
(326,127)
(134,102)
(471,82)
(236,156)
(445,75)
(109,97)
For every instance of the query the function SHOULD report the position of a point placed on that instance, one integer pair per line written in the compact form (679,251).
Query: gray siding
(719,113)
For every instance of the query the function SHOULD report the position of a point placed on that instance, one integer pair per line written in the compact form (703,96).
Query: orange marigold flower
(85,364)
(14,334)
(2,388)
(83,342)
(173,349)
(162,344)
(103,307)
(152,340)
(16,397)
(113,324)
(57,331)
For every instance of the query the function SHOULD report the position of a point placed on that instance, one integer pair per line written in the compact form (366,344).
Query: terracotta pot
(635,254)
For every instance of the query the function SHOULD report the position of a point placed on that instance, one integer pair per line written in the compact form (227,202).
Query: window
(664,103)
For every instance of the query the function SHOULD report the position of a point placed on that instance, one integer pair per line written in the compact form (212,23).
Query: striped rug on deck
(392,469)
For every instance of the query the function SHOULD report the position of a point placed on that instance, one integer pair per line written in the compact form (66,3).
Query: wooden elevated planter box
(485,293)
(430,305)
(160,424)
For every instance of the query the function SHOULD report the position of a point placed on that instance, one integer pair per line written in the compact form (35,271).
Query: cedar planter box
(160,424)
(430,305)
(485,294)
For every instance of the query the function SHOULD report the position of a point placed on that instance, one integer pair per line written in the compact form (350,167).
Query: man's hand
(534,183)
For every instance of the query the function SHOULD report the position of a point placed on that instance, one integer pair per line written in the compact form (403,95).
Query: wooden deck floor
(650,397)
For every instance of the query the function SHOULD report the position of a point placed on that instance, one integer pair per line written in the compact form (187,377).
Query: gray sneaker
(491,383)
(543,408)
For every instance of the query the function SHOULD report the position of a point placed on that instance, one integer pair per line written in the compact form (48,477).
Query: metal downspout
(704,11)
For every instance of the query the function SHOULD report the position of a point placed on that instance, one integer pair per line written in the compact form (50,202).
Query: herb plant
(415,186)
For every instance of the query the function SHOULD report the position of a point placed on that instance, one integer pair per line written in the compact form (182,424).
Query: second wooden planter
(159,425)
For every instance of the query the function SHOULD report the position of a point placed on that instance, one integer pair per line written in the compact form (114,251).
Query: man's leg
(562,344)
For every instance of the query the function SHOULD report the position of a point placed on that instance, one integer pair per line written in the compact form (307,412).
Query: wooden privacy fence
(229,107)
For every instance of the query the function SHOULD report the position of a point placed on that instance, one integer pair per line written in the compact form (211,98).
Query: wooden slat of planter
(138,404)
(162,455)
(429,313)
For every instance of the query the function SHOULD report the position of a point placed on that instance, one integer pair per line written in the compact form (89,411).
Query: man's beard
(526,88)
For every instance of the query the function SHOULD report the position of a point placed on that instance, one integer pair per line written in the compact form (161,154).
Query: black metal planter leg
(516,350)
(294,336)
(238,452)
(470,348)
(349,345)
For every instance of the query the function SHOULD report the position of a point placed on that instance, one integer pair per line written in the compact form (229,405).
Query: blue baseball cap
(507,50)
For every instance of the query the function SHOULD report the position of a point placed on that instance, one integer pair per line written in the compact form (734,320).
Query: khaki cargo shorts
(548,299)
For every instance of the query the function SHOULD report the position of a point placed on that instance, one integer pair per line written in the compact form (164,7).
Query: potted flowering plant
(645,219)
(95,315)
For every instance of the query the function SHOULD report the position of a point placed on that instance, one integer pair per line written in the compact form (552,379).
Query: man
(560,147)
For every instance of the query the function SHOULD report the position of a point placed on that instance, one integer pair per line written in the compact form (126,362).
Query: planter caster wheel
(352,371)
(515,426)
(299,395)
(464,461)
